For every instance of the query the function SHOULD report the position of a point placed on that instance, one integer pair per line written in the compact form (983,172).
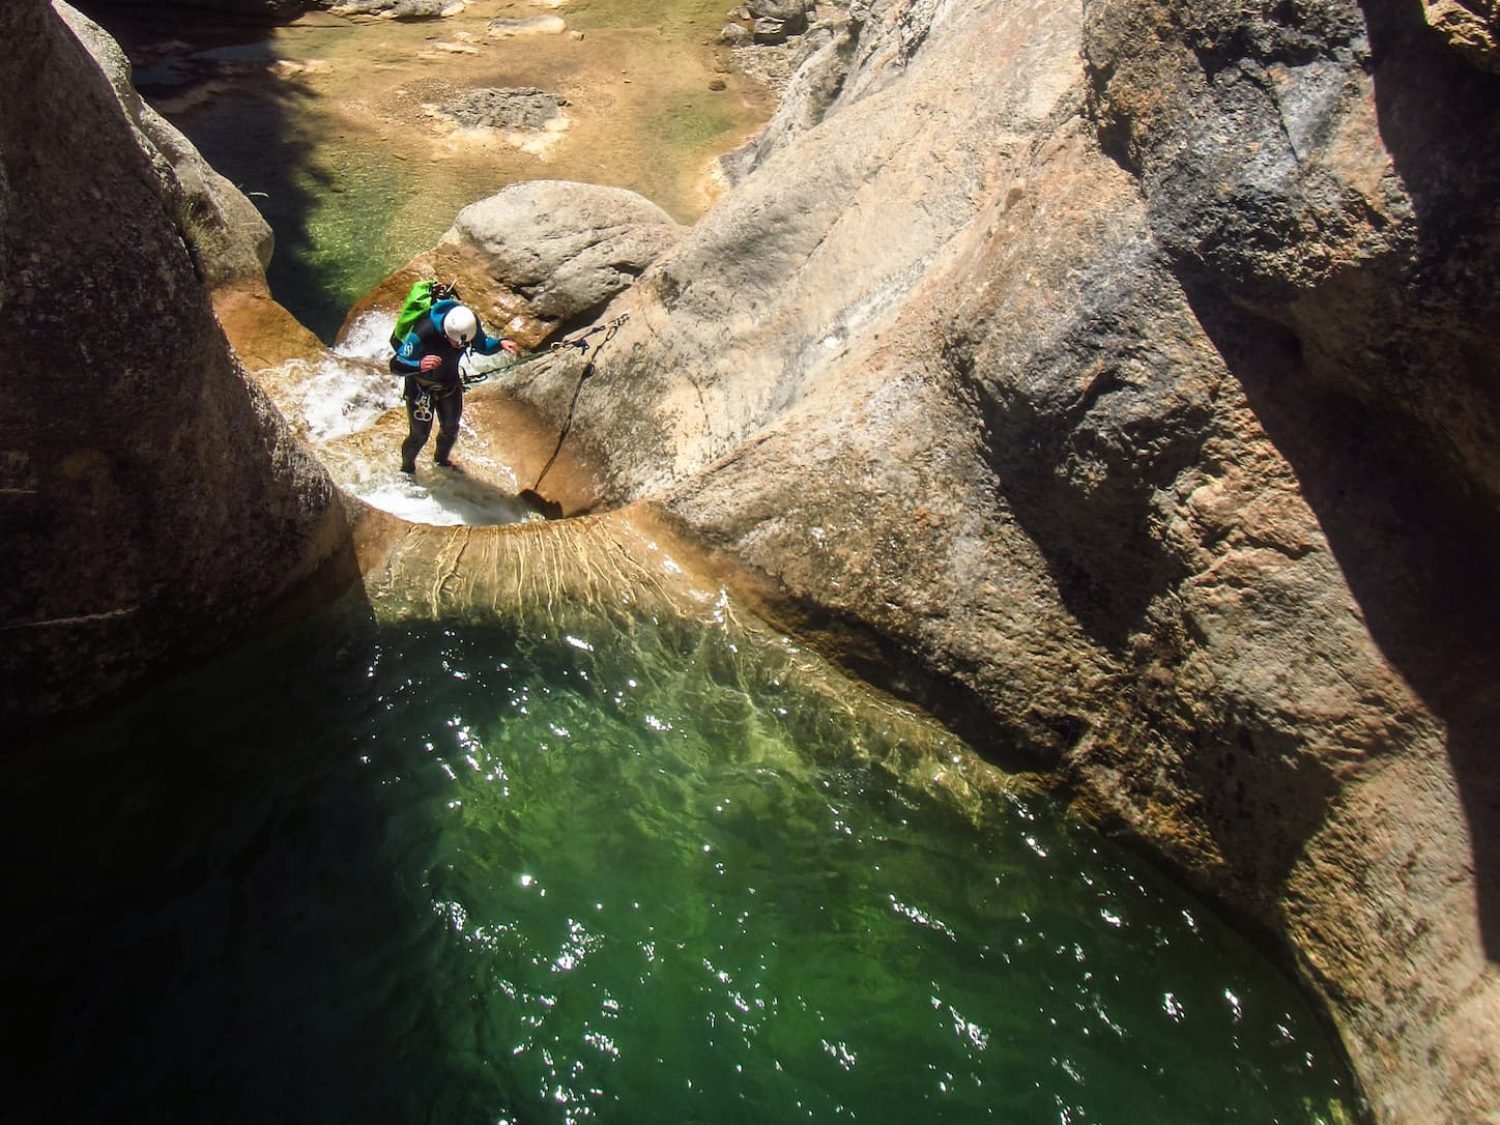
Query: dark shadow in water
(242,896)
(194,899)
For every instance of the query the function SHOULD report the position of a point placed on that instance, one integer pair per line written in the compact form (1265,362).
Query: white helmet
(460,324)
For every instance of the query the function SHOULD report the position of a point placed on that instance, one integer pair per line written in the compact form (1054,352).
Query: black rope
(580,342)
(588,369)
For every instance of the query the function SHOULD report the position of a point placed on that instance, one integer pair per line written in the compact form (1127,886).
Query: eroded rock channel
(1128,406)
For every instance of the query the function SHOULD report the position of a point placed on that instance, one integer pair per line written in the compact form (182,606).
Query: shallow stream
(333,126)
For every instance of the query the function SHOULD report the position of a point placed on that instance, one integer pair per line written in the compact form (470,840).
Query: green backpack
(421,297)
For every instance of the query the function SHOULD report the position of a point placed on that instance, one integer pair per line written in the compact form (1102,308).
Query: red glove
(429,363)
(510,347)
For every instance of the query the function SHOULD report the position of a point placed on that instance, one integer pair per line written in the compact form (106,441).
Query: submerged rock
(519,108)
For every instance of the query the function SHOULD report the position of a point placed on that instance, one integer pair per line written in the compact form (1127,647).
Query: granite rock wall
(1118,380)
(154,506)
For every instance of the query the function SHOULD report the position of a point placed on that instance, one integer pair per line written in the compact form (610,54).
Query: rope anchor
(557,346)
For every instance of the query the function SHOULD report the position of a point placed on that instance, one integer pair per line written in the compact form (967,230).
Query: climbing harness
(579,341)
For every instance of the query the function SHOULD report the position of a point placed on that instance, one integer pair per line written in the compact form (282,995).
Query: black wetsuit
(439,392)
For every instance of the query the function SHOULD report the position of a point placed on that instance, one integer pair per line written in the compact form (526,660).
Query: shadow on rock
(1418,549)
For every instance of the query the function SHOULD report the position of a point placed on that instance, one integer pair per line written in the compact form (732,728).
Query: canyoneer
(428,353)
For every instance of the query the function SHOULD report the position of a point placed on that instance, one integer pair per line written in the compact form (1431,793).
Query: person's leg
(449,410)
(417,430)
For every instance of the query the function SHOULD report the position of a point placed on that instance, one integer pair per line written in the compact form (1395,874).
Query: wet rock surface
(1128,404)
(1123,404)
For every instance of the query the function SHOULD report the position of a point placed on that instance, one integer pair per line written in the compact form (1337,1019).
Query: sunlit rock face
(1472,27)
(155,505)
(1119,374)
(566,248)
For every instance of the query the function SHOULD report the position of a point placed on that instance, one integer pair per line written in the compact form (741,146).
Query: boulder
(775,21)
(771,31)
(167,511)
(426,9)
(230,241)
(790,12)
(736,35)
(567,248)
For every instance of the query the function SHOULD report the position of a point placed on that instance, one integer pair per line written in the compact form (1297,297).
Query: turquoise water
(623,873)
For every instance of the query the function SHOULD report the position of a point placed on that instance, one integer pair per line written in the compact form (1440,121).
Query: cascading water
(348,405)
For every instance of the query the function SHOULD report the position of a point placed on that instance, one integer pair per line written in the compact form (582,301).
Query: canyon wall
(153,505)
(1119,379)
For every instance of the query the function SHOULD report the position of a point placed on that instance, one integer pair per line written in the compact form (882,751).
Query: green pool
(624,869)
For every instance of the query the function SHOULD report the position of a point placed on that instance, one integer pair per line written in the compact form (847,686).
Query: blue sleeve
(409,354)
(486,345)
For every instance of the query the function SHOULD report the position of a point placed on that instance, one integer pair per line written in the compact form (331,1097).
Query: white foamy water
(369,338)
(351,386)
(439,497)
(347,391)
